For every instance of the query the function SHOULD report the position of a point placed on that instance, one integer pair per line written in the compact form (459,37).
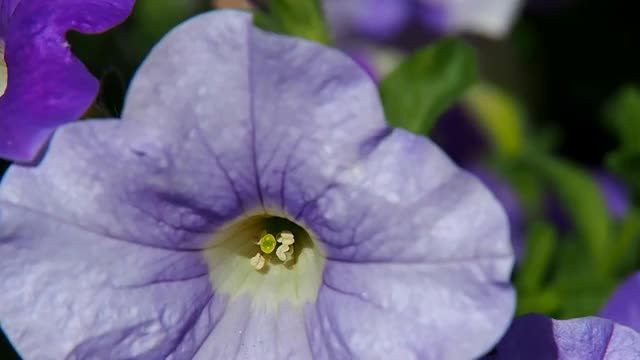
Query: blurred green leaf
(427,83)
(623,116)
(301,18)
(500,115)
(541,242)
(582,198)
(580,289)
(626,164)
(627,250)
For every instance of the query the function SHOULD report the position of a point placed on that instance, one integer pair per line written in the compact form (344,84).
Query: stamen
(257,261)
(286,238)
(285,253)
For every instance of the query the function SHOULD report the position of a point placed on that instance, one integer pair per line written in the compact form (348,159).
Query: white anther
(284,253)
(286,238)
(257,261)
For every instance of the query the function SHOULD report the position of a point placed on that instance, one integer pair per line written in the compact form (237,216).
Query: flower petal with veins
(397,251)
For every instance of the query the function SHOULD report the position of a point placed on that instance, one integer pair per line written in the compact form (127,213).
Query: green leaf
(427,83)
(541,242)
(581,196)
(627,250)
(623,116)
(301,18)
(500,115)
(580,288)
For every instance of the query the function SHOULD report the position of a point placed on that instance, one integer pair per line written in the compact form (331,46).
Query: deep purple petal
(534,337)
(624,305)
(6,10)
(414,246)
(48,86)
(434,16)
(461,137)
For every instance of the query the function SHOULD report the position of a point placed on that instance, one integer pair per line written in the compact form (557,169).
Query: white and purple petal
(223,122)
(46,85)
(389,19)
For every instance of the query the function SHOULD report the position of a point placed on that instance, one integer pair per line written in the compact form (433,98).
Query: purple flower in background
(624,305)
(616,194)
(386,19)
(42,85)
(253,204)
(535,337)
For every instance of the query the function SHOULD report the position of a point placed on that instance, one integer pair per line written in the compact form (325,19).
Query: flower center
(3,70)
(270,258)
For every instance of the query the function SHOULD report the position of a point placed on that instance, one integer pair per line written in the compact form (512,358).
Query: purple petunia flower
(386,19)
(252,204)
(624,305)
(535,337)
(42,85)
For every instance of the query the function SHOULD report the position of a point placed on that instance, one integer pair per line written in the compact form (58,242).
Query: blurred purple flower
(386,19)
(616,194)
(42,85)
(535,337)
(460,135)
(137,238)
(624,306)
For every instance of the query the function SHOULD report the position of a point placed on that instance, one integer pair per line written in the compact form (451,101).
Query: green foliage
(623,117)
(626,251)
(540,247)
(427,83)
(578,287)
(301,18)
(586,205)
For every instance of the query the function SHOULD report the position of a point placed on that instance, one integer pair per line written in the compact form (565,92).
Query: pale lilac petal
(294,115)
(69,292)
(534,337)
(47,86)
(243,332)
(404,238)
(223,120)
(624,305)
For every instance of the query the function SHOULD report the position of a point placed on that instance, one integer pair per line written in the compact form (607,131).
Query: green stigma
(268,243)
